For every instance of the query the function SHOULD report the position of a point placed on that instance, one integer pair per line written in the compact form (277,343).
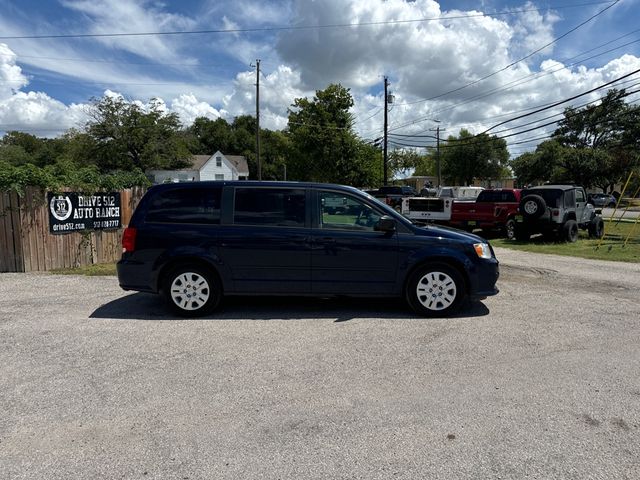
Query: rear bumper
(134,275)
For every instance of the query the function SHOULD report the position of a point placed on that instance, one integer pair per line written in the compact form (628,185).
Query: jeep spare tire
(533,206)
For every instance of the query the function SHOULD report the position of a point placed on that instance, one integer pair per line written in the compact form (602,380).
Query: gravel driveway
(541,381)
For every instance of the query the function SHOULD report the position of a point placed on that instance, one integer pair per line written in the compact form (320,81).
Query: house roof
(240,162)
(197,162)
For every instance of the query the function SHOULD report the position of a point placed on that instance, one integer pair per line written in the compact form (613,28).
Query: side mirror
(385,224)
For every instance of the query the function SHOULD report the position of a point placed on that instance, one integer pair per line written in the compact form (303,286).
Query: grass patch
(610,249)
(97,270)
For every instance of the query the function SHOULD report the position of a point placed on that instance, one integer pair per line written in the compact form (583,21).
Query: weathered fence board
(27,246)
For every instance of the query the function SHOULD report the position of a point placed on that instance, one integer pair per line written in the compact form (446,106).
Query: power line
(114,62)
(474,141)
(294,27)
(522,81)
(564,101)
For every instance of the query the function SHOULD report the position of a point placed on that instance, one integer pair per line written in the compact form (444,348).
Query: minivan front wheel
(435,290)
(191,291)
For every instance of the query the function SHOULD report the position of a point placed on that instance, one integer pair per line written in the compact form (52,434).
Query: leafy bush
(65,175)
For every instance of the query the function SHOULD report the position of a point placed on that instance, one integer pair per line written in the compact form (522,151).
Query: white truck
(438,209)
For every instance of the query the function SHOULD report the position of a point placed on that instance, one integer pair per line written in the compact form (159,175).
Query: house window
(218,161)
(219,176)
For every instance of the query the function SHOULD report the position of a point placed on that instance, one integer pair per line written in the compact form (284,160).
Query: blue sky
(46,83)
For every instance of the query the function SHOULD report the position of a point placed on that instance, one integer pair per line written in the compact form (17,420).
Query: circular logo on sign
(60,207)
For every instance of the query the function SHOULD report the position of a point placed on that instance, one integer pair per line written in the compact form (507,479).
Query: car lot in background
(601,200)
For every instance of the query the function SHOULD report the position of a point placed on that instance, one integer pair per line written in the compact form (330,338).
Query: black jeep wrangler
(557,211)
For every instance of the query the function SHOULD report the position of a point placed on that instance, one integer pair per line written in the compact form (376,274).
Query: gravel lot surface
(541,381)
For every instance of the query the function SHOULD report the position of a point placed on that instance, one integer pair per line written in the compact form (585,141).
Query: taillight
(555,212)
(129,239)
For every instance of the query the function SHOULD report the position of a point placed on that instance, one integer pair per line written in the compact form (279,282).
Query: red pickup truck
(494,209)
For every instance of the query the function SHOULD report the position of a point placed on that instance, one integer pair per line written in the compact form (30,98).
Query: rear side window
(185,205)
(551,197)
(281,207)
(496,196)
(569,198)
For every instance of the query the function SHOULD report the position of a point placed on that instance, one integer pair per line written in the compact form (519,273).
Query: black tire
(596,228)
(522,234)
(435,290)
(570,231)
(533,206)
(191,291)
(509,229)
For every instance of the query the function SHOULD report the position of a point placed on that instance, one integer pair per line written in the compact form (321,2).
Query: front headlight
(482,249)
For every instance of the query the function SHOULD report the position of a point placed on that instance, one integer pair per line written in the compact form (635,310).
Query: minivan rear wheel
(435,290)
(191,291)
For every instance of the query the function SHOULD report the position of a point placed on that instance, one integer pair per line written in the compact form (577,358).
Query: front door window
(343,212)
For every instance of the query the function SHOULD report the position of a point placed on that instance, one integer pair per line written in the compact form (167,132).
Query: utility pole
(386,98)
(258,119)
(438,172)
(438,155)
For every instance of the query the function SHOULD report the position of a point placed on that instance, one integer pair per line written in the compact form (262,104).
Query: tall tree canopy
(468,156)
(324,147)
(594,146)
(126,136)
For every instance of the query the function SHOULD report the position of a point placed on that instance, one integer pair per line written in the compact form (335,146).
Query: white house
(205,167)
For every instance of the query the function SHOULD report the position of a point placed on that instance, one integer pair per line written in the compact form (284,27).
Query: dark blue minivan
(195,242)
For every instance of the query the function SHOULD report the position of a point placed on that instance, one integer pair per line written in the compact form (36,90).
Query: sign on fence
(72,212)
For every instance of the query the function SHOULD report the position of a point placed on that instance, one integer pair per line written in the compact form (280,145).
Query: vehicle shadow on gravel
(144,306)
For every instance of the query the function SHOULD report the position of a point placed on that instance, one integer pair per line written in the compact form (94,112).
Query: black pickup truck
(392,195)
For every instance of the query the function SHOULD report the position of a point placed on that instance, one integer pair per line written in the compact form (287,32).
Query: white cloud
(532,31)
(39,113)
(188,108)
(422,59)
(109,16)
(278,90)
(32,111)
(11,76)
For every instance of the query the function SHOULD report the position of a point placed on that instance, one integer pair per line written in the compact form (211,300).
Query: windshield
(497,196)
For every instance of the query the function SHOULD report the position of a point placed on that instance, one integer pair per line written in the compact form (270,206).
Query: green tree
(274,150)
(29,143)
(426,165)
(14,155)
(468,156)
(532,168)
(24,148)
(211,136)
(126,136)
(602,139)
(324,147)
(405,159)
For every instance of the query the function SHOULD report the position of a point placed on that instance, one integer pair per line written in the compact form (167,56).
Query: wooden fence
(27,246)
